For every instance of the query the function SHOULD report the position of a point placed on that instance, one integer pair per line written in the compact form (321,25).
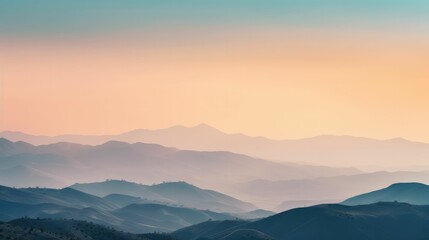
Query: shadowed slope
(386,221)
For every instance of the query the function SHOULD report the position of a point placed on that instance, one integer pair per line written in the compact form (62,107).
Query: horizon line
(210,127)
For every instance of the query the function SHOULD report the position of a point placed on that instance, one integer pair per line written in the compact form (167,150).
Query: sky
(280,69)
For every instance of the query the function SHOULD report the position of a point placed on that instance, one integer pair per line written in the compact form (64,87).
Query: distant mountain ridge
(306,192)
(67,163)
(325,149)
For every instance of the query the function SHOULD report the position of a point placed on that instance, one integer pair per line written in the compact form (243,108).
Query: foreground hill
(173,193)
(49,229)
(412,193)
(325,150)
(208,229)
(138,218)
(381,221)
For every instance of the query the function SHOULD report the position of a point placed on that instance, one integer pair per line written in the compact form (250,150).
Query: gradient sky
(281,69)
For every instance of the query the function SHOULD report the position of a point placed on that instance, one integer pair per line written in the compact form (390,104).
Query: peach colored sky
(279,87)
(281,69)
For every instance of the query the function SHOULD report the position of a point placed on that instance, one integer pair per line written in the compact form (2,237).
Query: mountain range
(41,213)
(62,164)
(264,183)
(306,192)
(170,193)
(327,150)
(69,203)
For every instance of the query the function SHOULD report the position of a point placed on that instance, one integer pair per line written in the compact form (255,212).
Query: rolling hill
(255,214)
(172,193)
(123,200)
(393,221)
(207,229)
(72,204)
(412,193)
(50,229)
(165,218)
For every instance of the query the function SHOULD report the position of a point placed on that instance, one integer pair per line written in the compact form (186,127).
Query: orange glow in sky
(276,86)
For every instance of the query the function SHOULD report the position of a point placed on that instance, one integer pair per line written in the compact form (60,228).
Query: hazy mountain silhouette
(255,214)
(412,193)
(70,163)
(391,221)
(20,176)
(306,192)
(291,204)
(123,200)
(176,193)
(8,148)
(325,150)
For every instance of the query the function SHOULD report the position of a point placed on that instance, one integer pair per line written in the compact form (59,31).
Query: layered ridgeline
(325,150)
(308,192)
(381,221)
(170,193)
(412,193)
(61,164)
(140,214)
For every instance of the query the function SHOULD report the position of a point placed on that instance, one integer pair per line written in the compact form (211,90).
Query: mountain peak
(201,128)
(205,127)
(5,141)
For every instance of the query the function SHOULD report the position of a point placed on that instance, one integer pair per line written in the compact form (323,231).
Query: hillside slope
(136,218)
(49,229)
(381,221)
(412,193)
(172,193)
